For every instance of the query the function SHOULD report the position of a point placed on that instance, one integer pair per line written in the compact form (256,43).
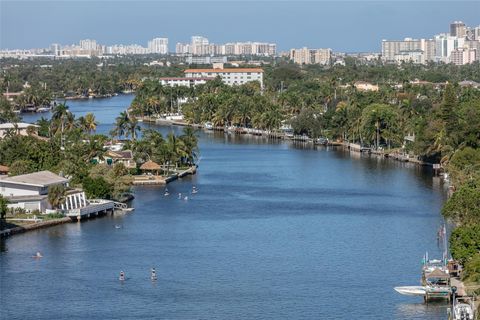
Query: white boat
(433,291)
(411,290)
(462,309)
(208,126)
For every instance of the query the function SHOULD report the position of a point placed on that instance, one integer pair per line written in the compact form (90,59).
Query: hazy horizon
(348,26)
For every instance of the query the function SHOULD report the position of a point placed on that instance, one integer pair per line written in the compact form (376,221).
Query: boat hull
(411,290)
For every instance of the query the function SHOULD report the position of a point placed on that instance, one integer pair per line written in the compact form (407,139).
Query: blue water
(276,231)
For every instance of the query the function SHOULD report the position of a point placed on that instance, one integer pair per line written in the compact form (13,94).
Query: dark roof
(125,154)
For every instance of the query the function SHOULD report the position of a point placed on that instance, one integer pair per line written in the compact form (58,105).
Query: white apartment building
(200,46)
(183,82)
(205,60)
(311,56)
(230,76)
(463,56)
(183,48)
(444,45)
(393,50)
(158,45)
(417,57)
(88,44)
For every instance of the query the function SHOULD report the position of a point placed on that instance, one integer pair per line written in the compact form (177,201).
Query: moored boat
(411,290)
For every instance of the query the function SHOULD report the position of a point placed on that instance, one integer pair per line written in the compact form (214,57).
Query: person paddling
(153,275)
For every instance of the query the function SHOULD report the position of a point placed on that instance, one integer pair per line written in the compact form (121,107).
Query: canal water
(276,231)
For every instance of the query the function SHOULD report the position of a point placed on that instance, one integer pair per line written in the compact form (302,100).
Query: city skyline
(312,24)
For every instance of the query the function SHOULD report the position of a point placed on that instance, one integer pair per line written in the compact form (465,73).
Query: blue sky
(349,26)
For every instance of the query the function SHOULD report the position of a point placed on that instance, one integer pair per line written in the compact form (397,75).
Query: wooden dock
(94,208)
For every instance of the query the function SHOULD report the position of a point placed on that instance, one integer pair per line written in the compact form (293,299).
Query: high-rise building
(476,33)
(390,48)
(158,45)
(88,44)
(462,56)
(200,46)
(183,48)
(55,48)
(458,29)
(311,56)
(444,45)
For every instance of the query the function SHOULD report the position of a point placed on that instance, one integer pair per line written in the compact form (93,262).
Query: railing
(120,205)
(94,206)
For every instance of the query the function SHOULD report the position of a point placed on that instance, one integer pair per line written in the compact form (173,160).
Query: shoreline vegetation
(428,113)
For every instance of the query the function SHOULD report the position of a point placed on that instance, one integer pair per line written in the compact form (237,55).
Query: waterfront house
(112,157)
(19,128)
(30,191)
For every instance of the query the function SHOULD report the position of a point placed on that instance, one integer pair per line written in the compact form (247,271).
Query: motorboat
(411,290)
(462,311)
(433,291)
(43,109)
(208,126)
(462,307)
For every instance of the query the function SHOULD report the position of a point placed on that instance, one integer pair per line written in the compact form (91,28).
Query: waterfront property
(30,191)
(230,76)
(19,128)
(112,157)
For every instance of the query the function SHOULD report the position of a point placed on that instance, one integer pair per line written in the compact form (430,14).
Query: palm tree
(132,127)
(121,124)
(90,123)
(3,208)
(57,195)
(190,142)
(60,116)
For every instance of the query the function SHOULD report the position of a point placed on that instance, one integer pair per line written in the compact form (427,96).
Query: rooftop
(38,179)
(19,125)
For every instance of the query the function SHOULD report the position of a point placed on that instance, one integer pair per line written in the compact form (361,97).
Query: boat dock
(155,180)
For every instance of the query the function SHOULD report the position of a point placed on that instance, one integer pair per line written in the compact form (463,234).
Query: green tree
(3,208)
(97,187)
(463,206)
(57,195)
(21,167)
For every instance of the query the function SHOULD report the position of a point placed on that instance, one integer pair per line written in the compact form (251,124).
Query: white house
(365,86)
(19,128)
(30,191)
